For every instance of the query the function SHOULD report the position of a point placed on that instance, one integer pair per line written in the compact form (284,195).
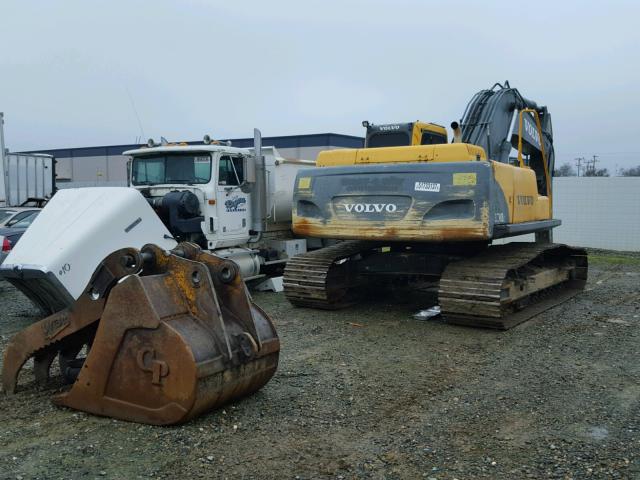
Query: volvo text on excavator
(411,207)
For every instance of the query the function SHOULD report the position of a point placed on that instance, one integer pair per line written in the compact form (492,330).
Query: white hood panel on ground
(79,227)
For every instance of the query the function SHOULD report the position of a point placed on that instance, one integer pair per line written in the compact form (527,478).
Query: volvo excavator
(412,208)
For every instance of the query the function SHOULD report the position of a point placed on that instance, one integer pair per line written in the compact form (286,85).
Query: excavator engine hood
(168,335)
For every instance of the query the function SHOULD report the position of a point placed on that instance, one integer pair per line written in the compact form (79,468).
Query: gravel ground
(372,393)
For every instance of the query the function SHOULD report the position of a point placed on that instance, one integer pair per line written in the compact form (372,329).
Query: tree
(630,172)
(566,170)
(596,172)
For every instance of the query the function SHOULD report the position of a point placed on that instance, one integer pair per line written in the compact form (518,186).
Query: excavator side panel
(520,190)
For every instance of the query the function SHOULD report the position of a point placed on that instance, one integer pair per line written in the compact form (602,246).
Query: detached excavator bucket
(169,335)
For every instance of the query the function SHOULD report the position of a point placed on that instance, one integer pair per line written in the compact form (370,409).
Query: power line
(602,153)
(590,168)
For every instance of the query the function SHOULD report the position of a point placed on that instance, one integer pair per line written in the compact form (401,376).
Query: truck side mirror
(250,175)
(129,173)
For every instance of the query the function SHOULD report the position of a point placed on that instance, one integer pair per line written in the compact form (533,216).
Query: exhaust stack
(457,132)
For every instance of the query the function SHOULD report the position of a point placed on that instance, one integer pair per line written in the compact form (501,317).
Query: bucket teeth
(179,337)
(44,339)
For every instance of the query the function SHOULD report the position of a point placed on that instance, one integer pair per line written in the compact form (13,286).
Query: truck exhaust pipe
(259,198)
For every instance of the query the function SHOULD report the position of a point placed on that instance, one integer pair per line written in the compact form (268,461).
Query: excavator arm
(500,120)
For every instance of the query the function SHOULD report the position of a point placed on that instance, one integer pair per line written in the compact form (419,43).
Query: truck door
(233,204)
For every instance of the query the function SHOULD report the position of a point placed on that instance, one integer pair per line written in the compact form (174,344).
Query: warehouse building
(107,166)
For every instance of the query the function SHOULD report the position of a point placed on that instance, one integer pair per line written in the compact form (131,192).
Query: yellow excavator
(410,207)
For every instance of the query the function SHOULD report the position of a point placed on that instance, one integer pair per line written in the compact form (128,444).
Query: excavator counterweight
(157,337)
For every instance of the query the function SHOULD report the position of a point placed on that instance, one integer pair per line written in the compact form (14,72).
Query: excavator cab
(403,134)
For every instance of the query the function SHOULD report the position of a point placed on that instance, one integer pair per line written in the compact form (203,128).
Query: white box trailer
(24,176)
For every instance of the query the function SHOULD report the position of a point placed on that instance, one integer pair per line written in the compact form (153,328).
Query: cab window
(383,139)
(186,168)
(430,138)
(231,172)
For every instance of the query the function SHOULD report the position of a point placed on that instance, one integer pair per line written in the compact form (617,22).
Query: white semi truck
(235,202)
(24,177)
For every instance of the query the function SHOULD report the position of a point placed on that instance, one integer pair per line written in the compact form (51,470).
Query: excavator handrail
(542,150)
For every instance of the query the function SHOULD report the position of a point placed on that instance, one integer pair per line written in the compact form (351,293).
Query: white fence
(597,212)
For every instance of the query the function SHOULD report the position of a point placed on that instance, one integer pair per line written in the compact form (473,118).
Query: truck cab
(234,201)
(200,192)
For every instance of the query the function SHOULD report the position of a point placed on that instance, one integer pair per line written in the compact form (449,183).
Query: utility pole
(591,166)
(579,161)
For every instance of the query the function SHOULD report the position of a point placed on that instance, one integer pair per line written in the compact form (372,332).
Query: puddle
(598,433)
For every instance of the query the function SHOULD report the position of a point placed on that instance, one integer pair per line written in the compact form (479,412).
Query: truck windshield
(164,168)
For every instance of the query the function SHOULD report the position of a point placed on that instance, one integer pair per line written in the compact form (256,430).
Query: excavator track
(324,278)
(508,284)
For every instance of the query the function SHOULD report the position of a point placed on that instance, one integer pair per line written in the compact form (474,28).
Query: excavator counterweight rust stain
(169,336)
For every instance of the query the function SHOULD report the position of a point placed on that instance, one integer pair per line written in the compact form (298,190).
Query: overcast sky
(74,73)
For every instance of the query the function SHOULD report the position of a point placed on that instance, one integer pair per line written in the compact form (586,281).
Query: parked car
(12,215)
(9,236)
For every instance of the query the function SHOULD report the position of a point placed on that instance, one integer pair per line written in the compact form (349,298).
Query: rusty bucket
(178,337)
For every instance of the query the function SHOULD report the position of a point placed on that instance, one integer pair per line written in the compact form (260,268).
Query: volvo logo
(532,130)
(370,207)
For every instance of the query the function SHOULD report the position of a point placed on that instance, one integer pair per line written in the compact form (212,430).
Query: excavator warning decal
(304,182)
(525,200)
(427,187)
(464,179)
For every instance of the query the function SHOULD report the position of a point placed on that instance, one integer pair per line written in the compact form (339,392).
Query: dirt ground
(373,393)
